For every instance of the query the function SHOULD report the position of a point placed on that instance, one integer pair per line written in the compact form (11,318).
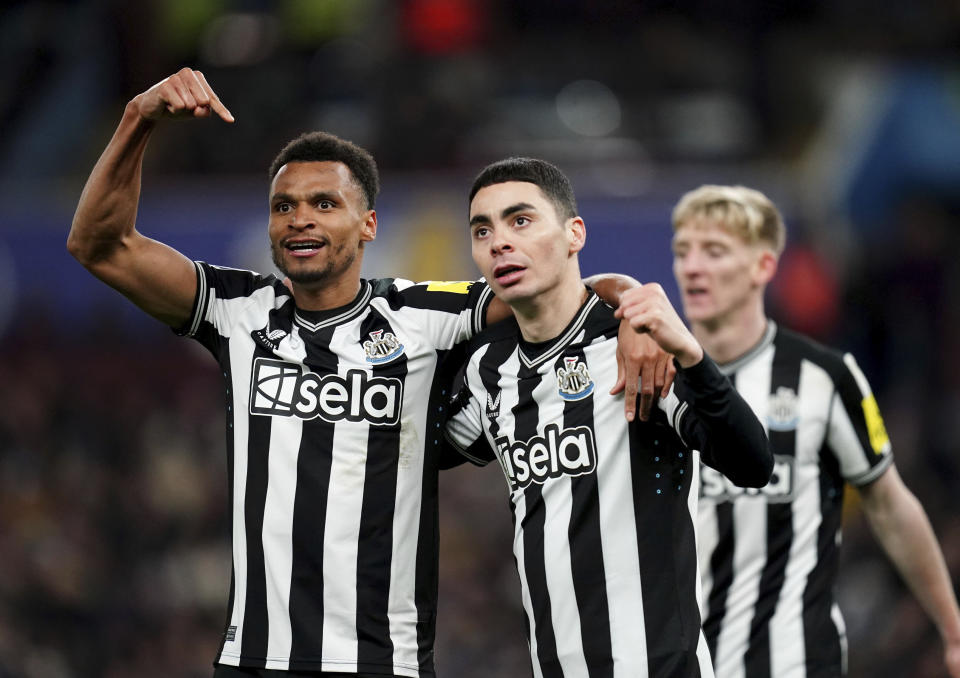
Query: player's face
(318,221)
(718,273)
(519,243)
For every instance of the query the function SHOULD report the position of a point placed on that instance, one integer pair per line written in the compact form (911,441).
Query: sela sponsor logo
(714,486)
(493,405)
(282,389)
(573,379)
(783,412)
(269,339)
(571,452)
(382,347)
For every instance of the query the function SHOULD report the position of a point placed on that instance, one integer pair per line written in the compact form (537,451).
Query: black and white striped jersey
(332,440)
(769,557)
(603,511)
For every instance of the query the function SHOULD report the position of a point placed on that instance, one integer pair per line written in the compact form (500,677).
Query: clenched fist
(184,94)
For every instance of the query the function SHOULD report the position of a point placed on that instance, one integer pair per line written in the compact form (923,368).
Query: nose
(302,217)
(689,264)
(499,243)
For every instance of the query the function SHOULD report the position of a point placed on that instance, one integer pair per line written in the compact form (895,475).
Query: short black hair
(546,176)
(323,147)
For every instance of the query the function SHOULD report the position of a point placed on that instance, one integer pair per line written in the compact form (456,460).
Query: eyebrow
(313,197)
(507,211)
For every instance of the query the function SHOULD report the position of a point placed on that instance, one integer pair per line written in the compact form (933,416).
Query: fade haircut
(554,183)
(742,211)
(324,147)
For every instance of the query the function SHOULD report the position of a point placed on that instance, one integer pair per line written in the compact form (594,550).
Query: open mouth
(695,292)
(304,248)
(508,274)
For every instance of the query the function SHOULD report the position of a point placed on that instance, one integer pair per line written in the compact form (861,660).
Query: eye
(282,207)
(325,204)
(481,232)
(521,221)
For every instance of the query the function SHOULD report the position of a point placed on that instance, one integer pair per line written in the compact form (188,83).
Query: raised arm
(103,236)
(901,526)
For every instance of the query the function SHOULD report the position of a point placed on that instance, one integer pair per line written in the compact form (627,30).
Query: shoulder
(452,296)
(237,282)
(801,347)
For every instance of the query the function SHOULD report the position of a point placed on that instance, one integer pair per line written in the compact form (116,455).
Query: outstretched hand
(648,310)
(185,94)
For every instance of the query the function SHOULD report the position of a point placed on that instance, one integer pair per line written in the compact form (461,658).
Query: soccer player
(602,508)
(333,418)
(768,558)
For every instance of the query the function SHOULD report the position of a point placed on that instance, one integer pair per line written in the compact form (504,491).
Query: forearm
(905,534)
(722,426)
(107,209)
(609,286)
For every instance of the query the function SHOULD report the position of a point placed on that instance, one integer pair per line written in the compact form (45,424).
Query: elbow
(758,475)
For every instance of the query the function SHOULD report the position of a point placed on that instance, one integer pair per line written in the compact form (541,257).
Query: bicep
(154,276)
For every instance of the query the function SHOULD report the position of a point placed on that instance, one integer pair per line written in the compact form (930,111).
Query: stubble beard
(336,264)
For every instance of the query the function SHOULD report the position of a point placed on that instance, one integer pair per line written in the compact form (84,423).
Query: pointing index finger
(215,104)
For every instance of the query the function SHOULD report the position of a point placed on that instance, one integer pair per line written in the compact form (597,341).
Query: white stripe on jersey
(618,522)
(278,535)
(787,654)
(242,362)
(558,567)
(342,525)
(753,383)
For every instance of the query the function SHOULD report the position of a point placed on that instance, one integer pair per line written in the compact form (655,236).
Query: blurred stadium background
(114,552)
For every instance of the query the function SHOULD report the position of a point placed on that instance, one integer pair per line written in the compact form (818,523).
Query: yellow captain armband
(454,286)
(879,440)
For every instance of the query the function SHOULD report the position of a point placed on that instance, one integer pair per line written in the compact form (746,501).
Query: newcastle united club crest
(382,347)
(784,412)
(573,379)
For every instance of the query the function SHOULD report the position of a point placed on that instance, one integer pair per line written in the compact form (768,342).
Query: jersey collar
(317,320)
(534,354)
(758,348)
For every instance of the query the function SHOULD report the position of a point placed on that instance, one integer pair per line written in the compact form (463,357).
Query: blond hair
(742,211)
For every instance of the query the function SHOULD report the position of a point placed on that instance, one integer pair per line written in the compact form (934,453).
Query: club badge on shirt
(573,379)
(382,347)
(784,410)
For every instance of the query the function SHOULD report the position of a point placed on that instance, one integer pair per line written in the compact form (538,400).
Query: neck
(726,340)
(543,317)
(327,294)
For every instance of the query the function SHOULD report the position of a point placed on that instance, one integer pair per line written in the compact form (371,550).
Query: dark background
(114,547)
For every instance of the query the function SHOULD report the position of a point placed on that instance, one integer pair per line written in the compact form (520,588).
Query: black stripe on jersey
(657,459)
(721,568)
(375,549)
(852,399)
(820,633)
(314,461)
(231,596)
(255,620)
(785,373)
(428,542)
(526,416)
(586,549)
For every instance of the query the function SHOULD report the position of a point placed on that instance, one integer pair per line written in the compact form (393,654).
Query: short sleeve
(857,435)
(447,312)
(464,426)
(222,295)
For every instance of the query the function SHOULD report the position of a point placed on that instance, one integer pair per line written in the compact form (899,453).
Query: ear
(766,267)
(368,231)
(576,234)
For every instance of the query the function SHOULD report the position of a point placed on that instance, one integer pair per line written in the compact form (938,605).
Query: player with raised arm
(333,410)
